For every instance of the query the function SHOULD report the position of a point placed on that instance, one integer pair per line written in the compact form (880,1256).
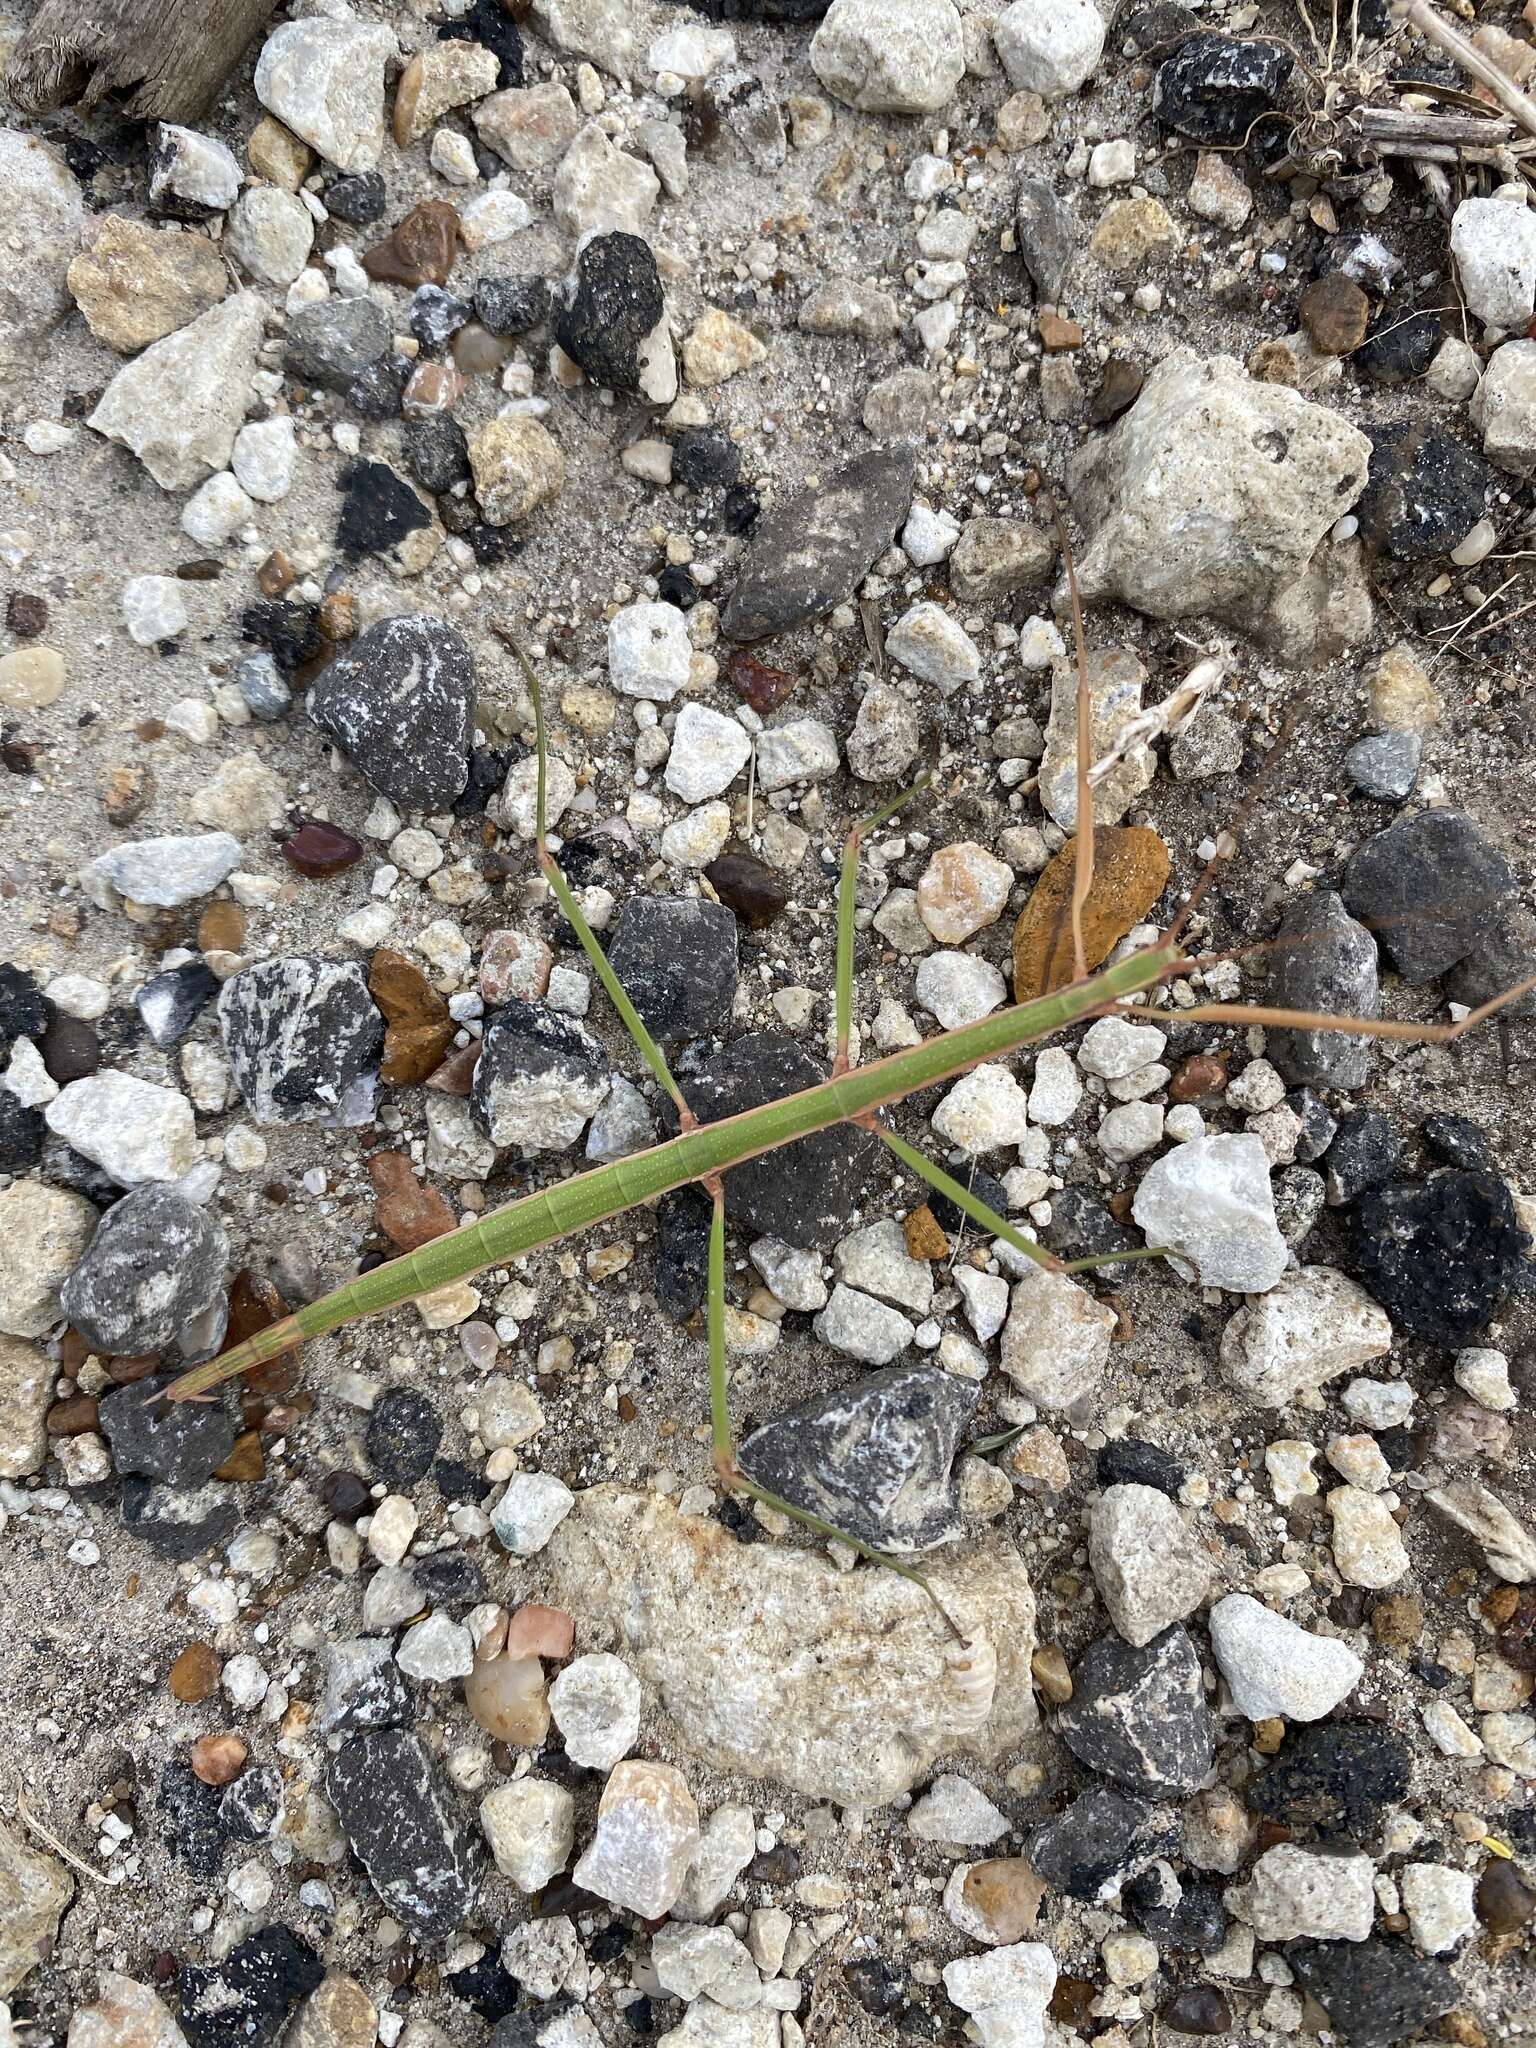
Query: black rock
(1199,2009)
(1384,765)
(875,1985)
(1213,88)
(705,459)
(1376,1993)
(299,1033)
(739,508)
(70,1049)
(1440,1257)
(510,306)
(676,957)
(538,1079)
(1082,1228)
(1423,494)
(489,23)
(1365,1154)
(378,510)
(675,585)
(364,1686)
(250,1808)
(448,1578)
(377,391)
(244,2001)
(154,1265)
(404,1431)
(755,892)
(437,452)
(682,1250)
(1323,960)
(486,1987)
(1128,1461)
(404,1827)
(180,1443)
(613,303)
(1502,955)
(805,1192)
(456,1481)
(358,200)
(986,1187)
(1334,1778)
(1457,1141)
(487,772)
(543,2025)
(194,1832)
(1047,236)
(171,1002)
(289,632)
(24,1010)
(1400,347)
(812,550)
(399,702)
(180,1523)
(1301,1195)
(1094,1846)
(1176,1913)
(1139,1716)
(1158,27)
(873,1458)
(22,1134)
(1428,887)
(437,315)
(335,340)
(791,13)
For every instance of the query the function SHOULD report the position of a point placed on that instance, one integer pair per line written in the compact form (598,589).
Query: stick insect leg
(731,1474)
(847,887)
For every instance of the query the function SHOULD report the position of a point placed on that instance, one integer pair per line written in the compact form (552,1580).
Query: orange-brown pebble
(1038,1462)
(1057,333)
(1131,869)
(421,249)
(541,1632)
(506,1697)
(72,1416)
(246,1461)
(336,616)
(1005,1893)
(409,1214)
(221,928)
(217,1759)
(925,1235)
(1200,1078)
(195,1674)
(419,1029)
(1048,1667)
(276,574)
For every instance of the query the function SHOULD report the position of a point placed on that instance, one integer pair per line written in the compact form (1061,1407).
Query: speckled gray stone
(539,1079)
(398,702)
(810,552)
(1384,764)
(154,1266)
(400,1818)
(299,1033)
(1323,960)
(178,1443)
(1139,1715)
(677,959)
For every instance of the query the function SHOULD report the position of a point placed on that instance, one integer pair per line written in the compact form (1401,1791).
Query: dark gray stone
(1319,1125)
(1429,887)
(1323,960)
(683,1217)
(378,510)
(154,1265)
(805,1192)
(358,200)
(180,1523)
(300,1032)
(1502,956)
(404,1431)
(250,1808)
(1102,1838)
(810,552)
(1385,765)
(437,452)
(1214,87)
(1376,1993)
(404,1827)
(191,1824)
(244,2001)
(872,1459)
(171,1003)
(1423,493)
(179,1443)
(538,1080)
(677,959)
(1300,1194)
(1139,1716)
(1176,1912)
(399,702)
(1440,1257)
(335,341)
(511,305)
(364,1687)
(1364,1154)
(1047,236)
(613,302)
(437,316)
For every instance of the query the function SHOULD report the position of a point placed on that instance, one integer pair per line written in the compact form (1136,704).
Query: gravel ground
(139,743)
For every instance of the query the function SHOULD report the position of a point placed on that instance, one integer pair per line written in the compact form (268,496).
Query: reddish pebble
(757,684)
(318,850)
(1199,1078)
(409,1214)
(421,249)
(540,1632)
(217,1759)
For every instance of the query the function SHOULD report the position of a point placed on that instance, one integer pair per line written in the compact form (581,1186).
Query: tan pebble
(1048,1667)
(217,1759)
(277,154)
(31,678)
(506,1697)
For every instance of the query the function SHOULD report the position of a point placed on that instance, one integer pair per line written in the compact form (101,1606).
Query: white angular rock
(531,1828)
(1296,1893)
(961,891)
(596,1704)
(1116,679)
(131,1129)
(928,537)
(1494,243)
(954,1810)
(1505,407)
(1483,1373)
(706,1962)
(863,1328)
(1274,1667)
(610,33)
(1006,1992)
(890,56)
(1113,1047)
(154,608)
(932,644)
(263,459)
(1049,46)
(647,1832)
(529,1511)
(179,405)
(1213,491)
(601,190)
(804,750)
(436,1650)
(1149,1569)
(727,1844)
(324,79)
(1055,1091)
(1313,1325)
(216,511)
(168,872)
(1056,1339)
(1438,1902)
(985,1110)
(1210,1202)
(1130,1130)
(709,751)
(959,988)
(648,651)
(1367,1543)
(791,1275)
(876,1260)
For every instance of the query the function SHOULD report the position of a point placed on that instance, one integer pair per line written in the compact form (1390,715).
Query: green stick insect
(851,1095)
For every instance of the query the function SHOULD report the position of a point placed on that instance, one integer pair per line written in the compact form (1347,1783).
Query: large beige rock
(34,1890)
(136,284)
(1213,491)
(43,1235)
(180,405)
(772,1663)
(124,2014)
(26,1390)
(40,222)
